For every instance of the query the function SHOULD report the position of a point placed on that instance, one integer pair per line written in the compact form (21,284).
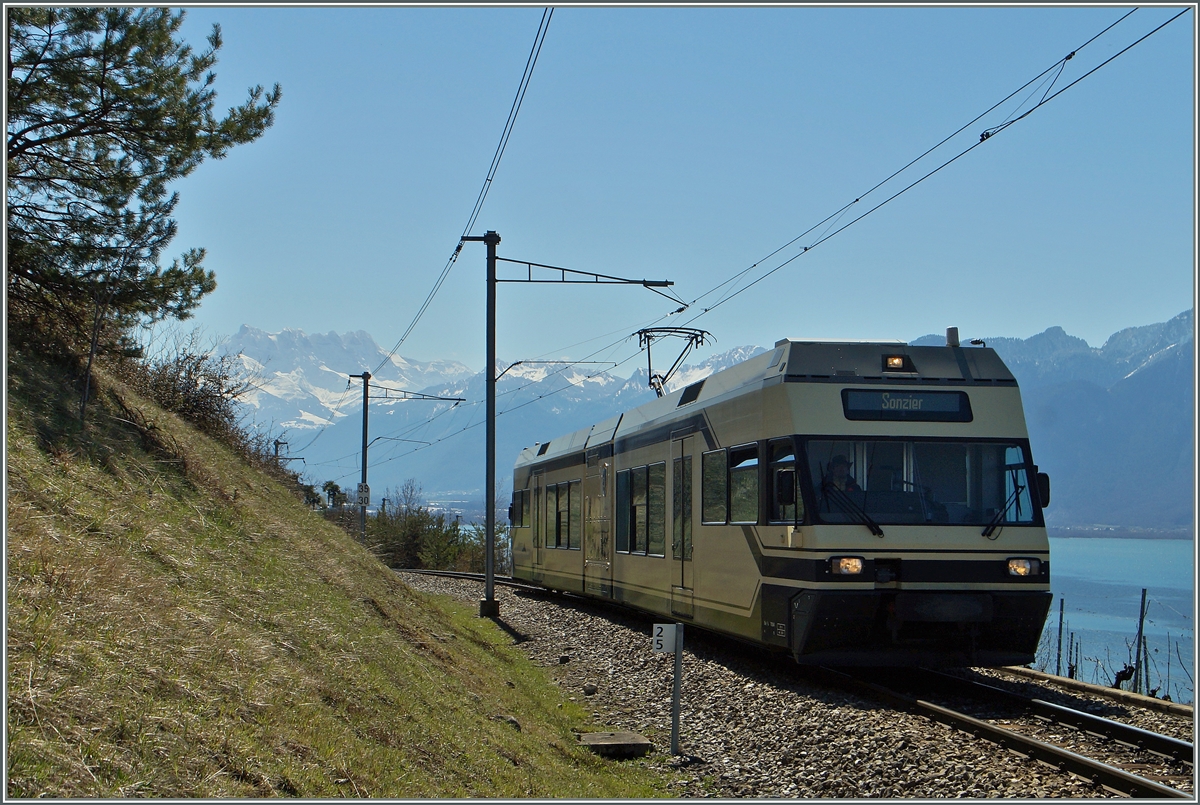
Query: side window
(551,511)
(637,510)
(785,503)
(520,509)
(623,511)
(681,539)
(656,510)
(564,516)
(642,510)
(575,526)
(714,492)
(537,513)
(743,484)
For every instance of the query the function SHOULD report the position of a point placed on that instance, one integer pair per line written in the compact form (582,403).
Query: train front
(923,537)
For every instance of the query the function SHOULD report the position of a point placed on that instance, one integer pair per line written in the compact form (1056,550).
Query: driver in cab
(839,476)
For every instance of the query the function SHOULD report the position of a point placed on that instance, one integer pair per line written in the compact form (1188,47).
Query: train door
(538,528)
(597,543)
(681,526)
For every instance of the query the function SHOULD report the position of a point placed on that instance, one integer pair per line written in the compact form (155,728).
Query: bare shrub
(187,376)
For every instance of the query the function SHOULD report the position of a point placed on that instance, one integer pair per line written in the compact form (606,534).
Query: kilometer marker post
(665,638)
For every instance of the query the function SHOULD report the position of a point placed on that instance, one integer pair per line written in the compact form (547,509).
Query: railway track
(1021,715)
(505,581)
(1102,728)
(1115,777)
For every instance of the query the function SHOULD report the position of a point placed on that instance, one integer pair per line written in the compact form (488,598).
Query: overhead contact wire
(1059,65)
(983,137)
(518,99)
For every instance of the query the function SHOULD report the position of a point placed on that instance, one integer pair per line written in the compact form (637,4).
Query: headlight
(1024,567)
(846,565)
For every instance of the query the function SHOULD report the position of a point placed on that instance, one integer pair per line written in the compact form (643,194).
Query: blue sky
(686,144)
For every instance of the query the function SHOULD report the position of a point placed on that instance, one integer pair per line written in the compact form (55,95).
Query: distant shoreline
(1099,532)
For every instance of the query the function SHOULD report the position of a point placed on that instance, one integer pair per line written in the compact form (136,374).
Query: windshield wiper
(847,504)
(991,527)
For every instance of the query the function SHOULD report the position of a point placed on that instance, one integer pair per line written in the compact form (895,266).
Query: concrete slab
(616,744)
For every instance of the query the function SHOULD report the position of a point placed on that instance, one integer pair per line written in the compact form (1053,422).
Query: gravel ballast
(751,724)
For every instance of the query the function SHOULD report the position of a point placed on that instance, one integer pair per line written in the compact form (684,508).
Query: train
(852,503)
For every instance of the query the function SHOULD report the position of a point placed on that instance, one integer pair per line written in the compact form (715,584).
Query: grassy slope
(178,625)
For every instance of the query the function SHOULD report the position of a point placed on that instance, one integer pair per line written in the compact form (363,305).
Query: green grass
(180,626)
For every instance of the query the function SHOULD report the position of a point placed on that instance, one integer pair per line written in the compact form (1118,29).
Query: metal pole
(1058,662)
(675,694)
(1146,662)
(489,607)
(362,506)
(1137,661)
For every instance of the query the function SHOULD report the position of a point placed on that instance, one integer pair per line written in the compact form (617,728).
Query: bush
(191,380)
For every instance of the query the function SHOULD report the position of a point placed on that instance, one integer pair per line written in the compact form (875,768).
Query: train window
(637,510)
(954,482)
(656,509)
(681,538)
(642,510)
(564,516)
(714,490)
(743,484)
(785,484)
(551,513)
(537,512)
(520,509)
(575,526)
(623,511)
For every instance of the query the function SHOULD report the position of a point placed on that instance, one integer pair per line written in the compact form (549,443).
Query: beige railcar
(850,502)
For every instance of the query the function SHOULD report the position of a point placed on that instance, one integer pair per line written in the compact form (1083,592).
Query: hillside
(179,626)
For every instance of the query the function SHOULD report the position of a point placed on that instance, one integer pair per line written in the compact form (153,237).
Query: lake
(1100,581)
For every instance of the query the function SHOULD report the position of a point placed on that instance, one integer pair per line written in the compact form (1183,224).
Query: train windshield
(911,482)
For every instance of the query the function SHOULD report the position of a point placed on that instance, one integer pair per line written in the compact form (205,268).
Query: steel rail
(1102,691)
(507,581)
(1116,780)
(1126,734)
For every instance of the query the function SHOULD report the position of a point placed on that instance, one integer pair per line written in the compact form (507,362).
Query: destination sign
(911,406)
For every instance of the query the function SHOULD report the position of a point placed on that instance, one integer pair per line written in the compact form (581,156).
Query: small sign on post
(364,495)
(665,639)
(662,640)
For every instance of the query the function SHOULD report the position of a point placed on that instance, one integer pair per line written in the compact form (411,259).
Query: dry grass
(180,626)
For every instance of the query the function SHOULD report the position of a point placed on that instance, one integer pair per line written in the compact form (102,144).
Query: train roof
(795,361)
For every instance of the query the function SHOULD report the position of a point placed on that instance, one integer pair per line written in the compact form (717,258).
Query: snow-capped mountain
(1097,417)
(300,381)
(303,394)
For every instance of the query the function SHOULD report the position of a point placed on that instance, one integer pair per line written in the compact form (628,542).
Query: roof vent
(543,448)
(691,393)
(952,336)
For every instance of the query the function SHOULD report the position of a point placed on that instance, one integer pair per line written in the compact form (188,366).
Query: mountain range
(1112,425)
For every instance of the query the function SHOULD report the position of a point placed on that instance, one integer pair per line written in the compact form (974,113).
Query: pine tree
(107,106)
